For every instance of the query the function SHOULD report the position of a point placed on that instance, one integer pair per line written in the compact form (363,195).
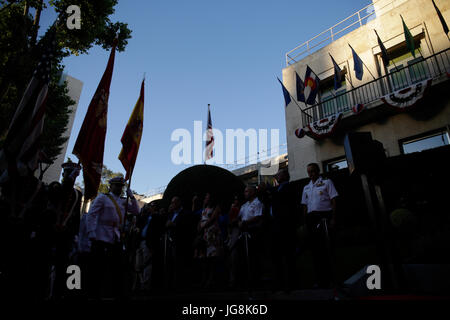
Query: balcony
(436,67)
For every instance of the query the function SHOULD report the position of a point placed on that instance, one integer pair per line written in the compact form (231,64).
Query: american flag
(22,141)
(209,138)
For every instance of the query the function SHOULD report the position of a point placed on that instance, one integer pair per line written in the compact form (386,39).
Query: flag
(21,145)
(384,55)
(90,142)
(337,75)
(444,24)
(131,137)
(311,85)
(300,86)
(287,96)
(408,39)
(209,138)
(357,65)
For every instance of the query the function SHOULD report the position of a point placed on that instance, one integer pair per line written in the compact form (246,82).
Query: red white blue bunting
(406,98)
(321,128)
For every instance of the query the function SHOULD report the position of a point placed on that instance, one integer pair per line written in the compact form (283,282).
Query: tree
(20,52)
(108,174)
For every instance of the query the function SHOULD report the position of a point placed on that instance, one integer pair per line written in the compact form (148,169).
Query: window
(404,69)
(333,101)
(335,164)
(425,142)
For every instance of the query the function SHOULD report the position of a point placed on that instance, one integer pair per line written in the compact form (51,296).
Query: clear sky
(226,53)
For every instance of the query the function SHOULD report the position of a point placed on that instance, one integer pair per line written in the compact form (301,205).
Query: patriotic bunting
(320,129)
(406,98)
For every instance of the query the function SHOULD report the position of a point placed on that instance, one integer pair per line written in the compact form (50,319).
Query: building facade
(405,105)
(75,87)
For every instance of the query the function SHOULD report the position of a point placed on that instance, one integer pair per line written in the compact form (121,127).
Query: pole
(329,253)
(126,203)
(246,235)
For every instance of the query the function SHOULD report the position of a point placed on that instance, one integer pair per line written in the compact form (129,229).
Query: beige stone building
(75,87)
(407,79)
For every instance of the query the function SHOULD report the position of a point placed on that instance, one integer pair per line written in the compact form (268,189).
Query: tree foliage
(20,53)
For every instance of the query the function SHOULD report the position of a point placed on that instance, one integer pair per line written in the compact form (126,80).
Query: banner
(320,129)
(406,98)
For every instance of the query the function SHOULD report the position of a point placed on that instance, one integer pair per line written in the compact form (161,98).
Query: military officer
(104,223)
(319,200)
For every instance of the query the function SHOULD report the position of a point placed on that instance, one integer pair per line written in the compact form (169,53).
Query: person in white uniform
(104,223)
(319,200)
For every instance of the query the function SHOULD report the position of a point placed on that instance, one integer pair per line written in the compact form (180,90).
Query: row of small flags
(307,90)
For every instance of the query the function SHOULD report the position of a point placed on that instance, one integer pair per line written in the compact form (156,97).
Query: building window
(425,142)
(335,164)
(404,69)
(333,101)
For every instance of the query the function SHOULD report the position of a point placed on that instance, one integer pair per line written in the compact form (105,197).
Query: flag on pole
(311,85)
(384,55)
(408,39)
(131,137)
(287,96)
(441,18)
(337,74)
(90,143)
(357,65)
(300,86)
(21,145)
(209,138)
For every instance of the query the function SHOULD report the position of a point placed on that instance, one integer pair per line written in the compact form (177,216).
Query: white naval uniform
(103,222)
(317,196)
(251,209)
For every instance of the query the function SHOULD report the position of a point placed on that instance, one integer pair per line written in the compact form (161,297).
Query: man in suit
(181,229)
(285,220)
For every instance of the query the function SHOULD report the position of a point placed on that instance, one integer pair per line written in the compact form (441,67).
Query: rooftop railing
(353,22)
(432,67)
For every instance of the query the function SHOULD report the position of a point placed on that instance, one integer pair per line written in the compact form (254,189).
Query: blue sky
(225,53)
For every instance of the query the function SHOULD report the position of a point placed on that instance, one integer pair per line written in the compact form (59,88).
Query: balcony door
(406,70)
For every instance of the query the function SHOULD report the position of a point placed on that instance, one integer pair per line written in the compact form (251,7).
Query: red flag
(131,138)
(90,143)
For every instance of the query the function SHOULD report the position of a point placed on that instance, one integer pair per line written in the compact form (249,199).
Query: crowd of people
(123,250)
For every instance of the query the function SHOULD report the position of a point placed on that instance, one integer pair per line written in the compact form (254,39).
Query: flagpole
(389,60)
(207,118)
(293,99)
(362,62)
(126,203)
(335,71)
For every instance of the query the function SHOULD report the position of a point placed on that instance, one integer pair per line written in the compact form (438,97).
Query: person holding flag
(104,223)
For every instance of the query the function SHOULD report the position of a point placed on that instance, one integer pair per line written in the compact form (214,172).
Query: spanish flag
(131,137)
